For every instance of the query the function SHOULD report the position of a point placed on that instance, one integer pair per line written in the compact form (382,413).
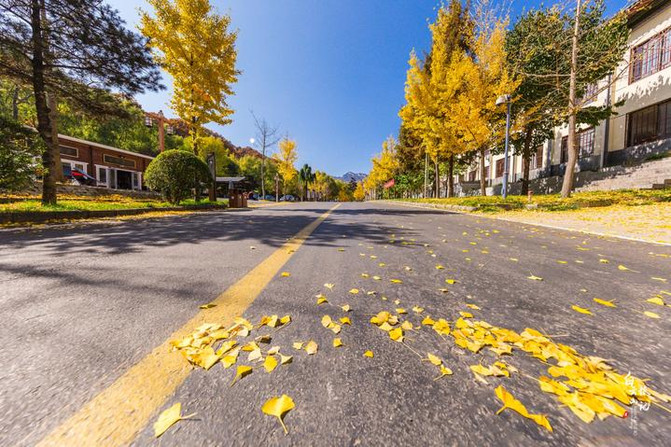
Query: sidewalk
(650,223)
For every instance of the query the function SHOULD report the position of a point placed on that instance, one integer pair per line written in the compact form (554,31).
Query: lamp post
(505,99)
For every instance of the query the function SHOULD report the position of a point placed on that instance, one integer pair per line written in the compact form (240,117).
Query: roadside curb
(47,216)
(460,210)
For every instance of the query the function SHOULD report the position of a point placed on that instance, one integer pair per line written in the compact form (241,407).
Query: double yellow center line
(118,413)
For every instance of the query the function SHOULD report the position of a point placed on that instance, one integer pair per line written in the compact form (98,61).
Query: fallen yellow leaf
(354,291)
(270,363)
(278,407)
(368,354)
(337,343)
(311,347)
(582,310)
(241,372)
(286,274)
(604,302)
(650,314)
(169,417)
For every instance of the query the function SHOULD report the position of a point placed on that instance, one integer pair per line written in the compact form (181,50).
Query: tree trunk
(450,177)
(567,185)
(52,102)
(483,180)
(15,103)
(437,180)
(526,158)
(44,125)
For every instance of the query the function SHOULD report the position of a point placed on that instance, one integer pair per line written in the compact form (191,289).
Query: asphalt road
(82,304)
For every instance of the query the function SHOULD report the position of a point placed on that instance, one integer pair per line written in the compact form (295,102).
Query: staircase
(649,175)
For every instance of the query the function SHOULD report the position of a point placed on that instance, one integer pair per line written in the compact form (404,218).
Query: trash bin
(244,200)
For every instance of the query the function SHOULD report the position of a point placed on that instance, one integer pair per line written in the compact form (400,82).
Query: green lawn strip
(34,205)
(553,202)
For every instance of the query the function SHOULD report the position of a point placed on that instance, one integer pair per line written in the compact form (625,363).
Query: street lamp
(505,99)
(277,187)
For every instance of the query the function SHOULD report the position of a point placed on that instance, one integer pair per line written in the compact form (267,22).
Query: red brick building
(111,167)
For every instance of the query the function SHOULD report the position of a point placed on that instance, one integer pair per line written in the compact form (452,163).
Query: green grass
(553,202)
(80,203)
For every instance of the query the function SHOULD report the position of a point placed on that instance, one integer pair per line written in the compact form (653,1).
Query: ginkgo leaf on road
(298,345)
(311,347)
(368,354)
(656,300)
(581,310)
(365,275)
(329,286)
(604,302)
(396,334)
(376,278)
(623,268)
(345,320)
(466,314)
(284,359)
(241,372)
(278,407)
(510,402)
(440,267)
(327,321)
(650,314)
(396,281)
(472,306)
(270,363)
(418,309)
(346,308)
(401,311)
(286,274)
(169,417)
(535,278)
(435,360)
(208,306)
(337,342)
(450,281)
(321,299)
(444,371)
(354,291)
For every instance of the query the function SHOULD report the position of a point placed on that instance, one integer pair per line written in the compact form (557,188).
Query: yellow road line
(118,413)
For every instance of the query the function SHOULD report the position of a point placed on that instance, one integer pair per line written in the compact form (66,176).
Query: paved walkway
(651,223)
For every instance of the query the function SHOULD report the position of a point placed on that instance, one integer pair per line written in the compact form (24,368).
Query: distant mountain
(349,176)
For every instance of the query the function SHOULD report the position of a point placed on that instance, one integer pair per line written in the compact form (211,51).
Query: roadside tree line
(553,61)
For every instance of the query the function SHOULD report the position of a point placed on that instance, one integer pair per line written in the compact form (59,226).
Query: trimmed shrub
(175,173)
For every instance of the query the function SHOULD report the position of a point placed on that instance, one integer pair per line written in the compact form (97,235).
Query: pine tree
(79,59)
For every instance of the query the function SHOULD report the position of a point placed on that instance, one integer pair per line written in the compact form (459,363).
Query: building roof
(642,9)
(102,146)
(230,179)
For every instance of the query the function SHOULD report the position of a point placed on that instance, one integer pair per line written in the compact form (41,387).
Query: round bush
(175,173)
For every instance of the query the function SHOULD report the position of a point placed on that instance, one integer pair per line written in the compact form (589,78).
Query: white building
(638,130)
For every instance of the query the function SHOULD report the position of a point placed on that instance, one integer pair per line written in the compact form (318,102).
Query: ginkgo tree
(433,86)
(196,47)
(286,158)
(385,166)
(486,77)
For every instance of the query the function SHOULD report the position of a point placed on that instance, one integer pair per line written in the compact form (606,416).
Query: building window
(585,145)
(69,151)
(102,175)
(471,176)
(536,161)
(651,56)
(586,142)
(649,124)
(67,169)
(591,92)
(125,162)
(499,167)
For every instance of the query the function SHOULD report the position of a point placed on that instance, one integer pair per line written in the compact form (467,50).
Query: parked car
(287,198)
(81,177)
(269,197)
(252,196)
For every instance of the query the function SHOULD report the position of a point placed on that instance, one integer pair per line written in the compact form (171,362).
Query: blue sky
(328,72)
